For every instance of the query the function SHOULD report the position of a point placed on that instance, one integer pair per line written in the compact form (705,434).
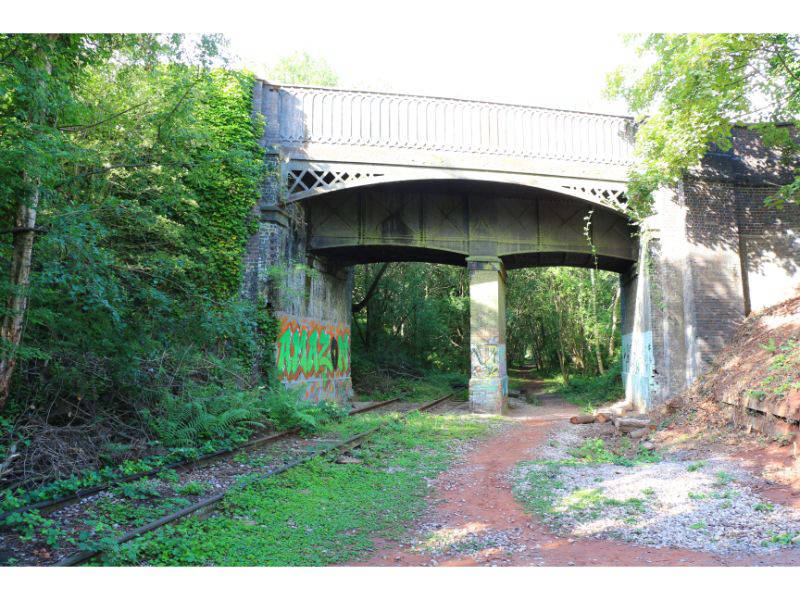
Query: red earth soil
(475,495)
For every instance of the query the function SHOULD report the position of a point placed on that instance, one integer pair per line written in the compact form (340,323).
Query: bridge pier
(488,383)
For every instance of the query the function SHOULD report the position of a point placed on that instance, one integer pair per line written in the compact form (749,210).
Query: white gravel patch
(709,508)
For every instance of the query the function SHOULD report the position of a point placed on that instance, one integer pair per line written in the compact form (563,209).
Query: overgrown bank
(146,168)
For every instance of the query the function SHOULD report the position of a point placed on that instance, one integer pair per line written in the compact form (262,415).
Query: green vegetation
(322,512)
(140,489)
(136,170)
(789,537)
(537,488)
(784,367)
(592,499)
(695,88)
(193,488)
(594,451)
(723,478)
(563,320)
(590,392)
(537,484)
(409,317)
(304,69)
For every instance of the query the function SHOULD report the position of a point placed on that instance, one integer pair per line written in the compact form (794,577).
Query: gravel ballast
(704,505)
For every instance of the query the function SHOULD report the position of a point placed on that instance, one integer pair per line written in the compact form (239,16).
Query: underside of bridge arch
(449,221)
(485,226)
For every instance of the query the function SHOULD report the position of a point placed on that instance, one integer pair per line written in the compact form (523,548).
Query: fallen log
(602,417)
(582,419)
(633,422)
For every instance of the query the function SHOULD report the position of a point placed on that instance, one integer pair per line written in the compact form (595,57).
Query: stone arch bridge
(371,177)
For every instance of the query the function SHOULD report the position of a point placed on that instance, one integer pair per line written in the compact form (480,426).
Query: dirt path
(472,507)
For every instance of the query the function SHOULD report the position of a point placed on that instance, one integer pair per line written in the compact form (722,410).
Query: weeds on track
(322,512)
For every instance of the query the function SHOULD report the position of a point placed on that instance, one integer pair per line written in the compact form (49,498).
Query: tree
(82,120)
(695,88)
(301,68)
(562,318)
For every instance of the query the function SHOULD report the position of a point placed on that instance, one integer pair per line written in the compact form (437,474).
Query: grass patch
(320,513)
(538,485)
(723,478)
(455,541)
(589,392)
(537,488)
(431,385)
(594,451)
(789,537)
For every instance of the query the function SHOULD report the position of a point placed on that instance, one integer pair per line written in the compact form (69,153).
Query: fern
(204,414)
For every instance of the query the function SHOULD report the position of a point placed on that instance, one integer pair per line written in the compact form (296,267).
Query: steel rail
(80,558)
(49,506)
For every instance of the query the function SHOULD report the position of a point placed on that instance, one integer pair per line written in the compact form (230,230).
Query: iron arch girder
(311,179)
(458,219)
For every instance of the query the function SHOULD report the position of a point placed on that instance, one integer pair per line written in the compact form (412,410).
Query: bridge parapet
(323,124)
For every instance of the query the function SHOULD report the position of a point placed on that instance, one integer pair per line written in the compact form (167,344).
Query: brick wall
(770,246)
(715,267)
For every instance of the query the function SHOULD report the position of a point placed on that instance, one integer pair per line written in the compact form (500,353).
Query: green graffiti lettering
(284,351)
(324,354)
(298,347)
(307,358)
(313,349)
(344,353)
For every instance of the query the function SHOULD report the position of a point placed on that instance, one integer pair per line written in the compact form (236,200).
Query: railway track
(73,517)
(206,504)
(46,507)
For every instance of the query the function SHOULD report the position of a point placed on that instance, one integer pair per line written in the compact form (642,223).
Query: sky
(534,66)
(552,53)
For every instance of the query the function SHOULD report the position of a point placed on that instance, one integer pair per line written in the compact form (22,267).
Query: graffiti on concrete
(488,359)
(328,388)
(316,355)
(638,366)
(307,348)
(484,360)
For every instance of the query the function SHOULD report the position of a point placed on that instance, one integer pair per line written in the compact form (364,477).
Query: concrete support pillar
(488,384)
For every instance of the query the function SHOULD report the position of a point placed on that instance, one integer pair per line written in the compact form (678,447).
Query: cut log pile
(636,425)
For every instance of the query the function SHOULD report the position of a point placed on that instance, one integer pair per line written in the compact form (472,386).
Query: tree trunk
(14,320)
(613,322)
(20,276)
(596,326)
(562,358)
(372,288)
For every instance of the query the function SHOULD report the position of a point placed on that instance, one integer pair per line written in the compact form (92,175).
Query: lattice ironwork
(607,196)
(319,178)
